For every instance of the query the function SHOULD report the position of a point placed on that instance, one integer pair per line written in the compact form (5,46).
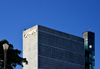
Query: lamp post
(5,47)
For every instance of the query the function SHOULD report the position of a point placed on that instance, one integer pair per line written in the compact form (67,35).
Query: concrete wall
(30,47)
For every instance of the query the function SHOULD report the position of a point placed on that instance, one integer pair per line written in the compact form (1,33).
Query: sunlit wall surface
(89,44)
(58,50)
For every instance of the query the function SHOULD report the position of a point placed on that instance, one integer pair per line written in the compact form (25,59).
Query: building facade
(89,44)
(47,48)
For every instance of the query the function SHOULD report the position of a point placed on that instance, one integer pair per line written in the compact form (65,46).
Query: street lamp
(5,47)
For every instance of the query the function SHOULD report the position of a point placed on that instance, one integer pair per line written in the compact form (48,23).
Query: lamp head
(5,46)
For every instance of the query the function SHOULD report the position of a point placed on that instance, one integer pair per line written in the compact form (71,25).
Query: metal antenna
(90,28)
(84,29)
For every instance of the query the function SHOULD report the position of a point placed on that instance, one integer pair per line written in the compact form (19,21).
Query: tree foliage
(13,58)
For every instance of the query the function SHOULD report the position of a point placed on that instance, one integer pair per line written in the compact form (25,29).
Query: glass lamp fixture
(5,47)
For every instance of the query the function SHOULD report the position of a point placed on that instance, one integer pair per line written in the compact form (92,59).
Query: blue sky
(70,16)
